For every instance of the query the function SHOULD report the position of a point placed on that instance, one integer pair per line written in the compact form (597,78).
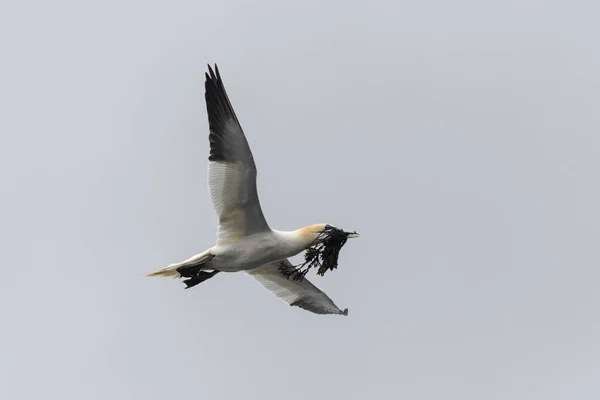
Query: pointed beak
(353,235)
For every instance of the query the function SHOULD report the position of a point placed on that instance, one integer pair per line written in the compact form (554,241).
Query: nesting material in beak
(324,253)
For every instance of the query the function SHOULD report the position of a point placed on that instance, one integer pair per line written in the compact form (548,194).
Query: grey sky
(459,138)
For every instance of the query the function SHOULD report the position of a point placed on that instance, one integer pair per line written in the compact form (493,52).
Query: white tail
(171,270)
(194,261)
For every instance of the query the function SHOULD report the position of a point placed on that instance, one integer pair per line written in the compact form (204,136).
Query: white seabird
(245,242)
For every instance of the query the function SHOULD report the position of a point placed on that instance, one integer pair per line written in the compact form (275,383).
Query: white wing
(301,294)
(231,168)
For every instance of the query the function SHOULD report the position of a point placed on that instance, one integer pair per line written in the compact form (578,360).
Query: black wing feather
(227,139)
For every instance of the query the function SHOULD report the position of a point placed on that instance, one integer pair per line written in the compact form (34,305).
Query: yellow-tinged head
(316,233)
(310,234)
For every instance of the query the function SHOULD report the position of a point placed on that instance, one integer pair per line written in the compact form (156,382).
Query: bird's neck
(296,241)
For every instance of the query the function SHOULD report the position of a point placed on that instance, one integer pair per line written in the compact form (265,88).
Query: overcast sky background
(461,139)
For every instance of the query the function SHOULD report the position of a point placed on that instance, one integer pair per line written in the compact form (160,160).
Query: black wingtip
(211,72)
(345,312)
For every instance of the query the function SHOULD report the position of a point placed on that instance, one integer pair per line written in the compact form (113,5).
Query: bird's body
(245,240)
(249,252)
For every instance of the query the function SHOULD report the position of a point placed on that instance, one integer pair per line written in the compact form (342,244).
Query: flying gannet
(245,242)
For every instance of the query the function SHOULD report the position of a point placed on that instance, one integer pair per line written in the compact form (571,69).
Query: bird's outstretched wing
(301,294)
(231,168)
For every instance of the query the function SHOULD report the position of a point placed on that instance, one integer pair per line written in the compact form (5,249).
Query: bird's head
(319,233)
(323,245)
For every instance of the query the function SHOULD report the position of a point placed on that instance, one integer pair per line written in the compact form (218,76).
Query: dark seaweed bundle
(323,254)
